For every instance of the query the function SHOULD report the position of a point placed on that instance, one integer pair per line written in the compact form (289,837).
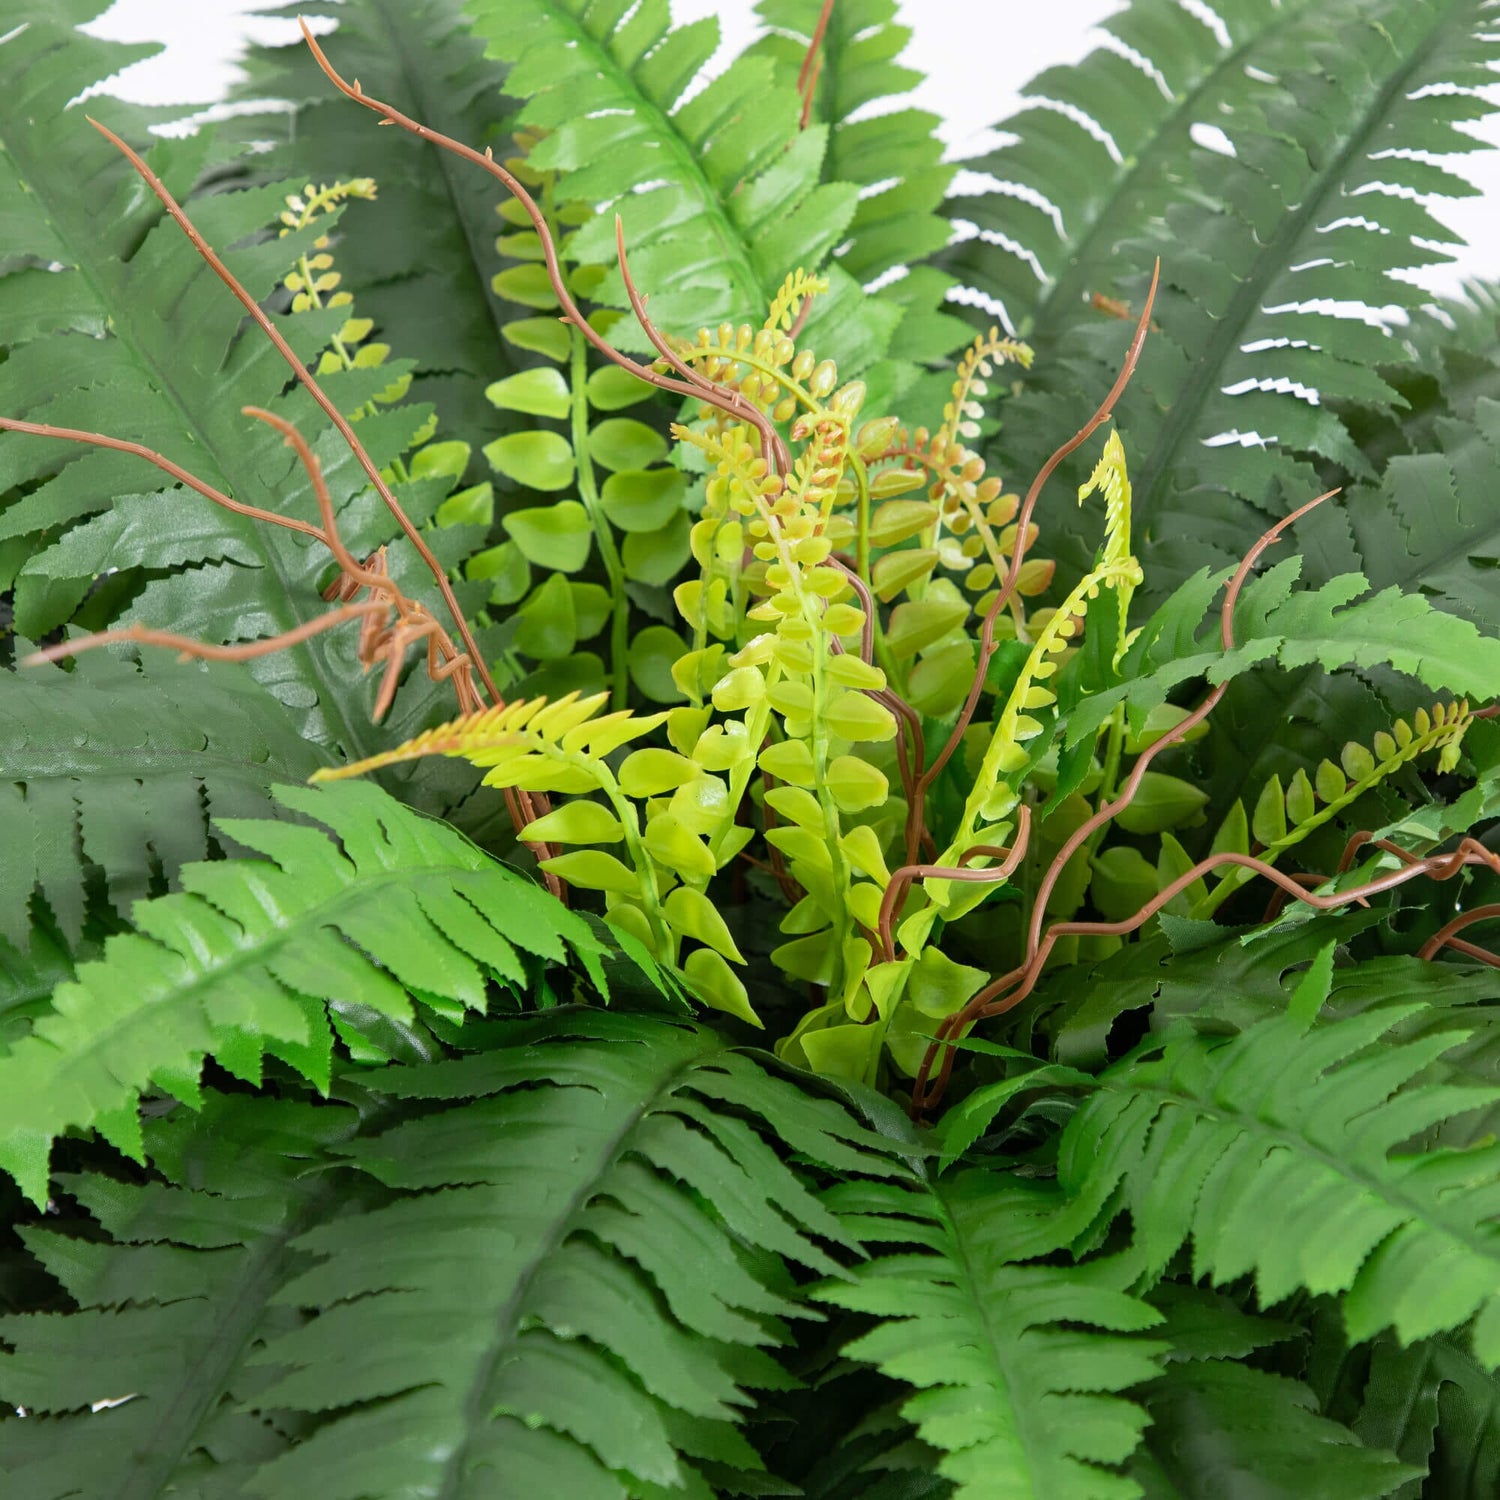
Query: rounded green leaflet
(611,389)
(578,821)
(553,536)
(1162,802)
(1268,821)
(591,608)
(896,570)
(450,458)
(940,681)
(594,870)
(855,784)
(507,570)
(918,624)
(1329,781)
(1300,802)
(643,499)
(899,520)
(474,506)
(858,717)
(657,556)
(693,915)
(652,655)
(718,986)
(1357,761)
(1124,881)
(650,772)
(547,626)
(674,848)
(841,1051)
(621,443)
(539,460)
(546,336)
(791,761)
(527,284)
(541,392)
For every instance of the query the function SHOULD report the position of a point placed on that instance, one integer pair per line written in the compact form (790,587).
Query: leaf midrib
(362,886)
(476,1404)
(122,311)
(689,173)
(972,1285)
(1200,380)
(201,1384)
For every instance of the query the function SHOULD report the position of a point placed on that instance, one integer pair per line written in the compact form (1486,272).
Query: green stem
(640,857)
(588,493)
(1113,752)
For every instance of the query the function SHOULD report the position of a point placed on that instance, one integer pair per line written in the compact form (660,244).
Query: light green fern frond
(890,150)
(248,958)
(1018,1369)
(1254,1147)
(720,193)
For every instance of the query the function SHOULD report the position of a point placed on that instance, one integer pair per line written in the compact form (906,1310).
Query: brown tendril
(1019,982)
(1445,935)
(346,431)
(1101,414)
(812,65)
(901,880)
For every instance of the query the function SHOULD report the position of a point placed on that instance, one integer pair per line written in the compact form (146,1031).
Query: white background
(976,55)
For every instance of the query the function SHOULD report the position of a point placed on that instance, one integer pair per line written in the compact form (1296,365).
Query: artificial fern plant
(823,966)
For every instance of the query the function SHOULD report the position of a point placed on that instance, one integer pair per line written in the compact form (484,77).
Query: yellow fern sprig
(1112,480)
(787,303)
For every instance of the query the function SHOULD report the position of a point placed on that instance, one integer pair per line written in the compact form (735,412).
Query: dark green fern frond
(120,764)
(893,155)
(1306,191)
(1280,1153)
(250,955)
(173,1284)
(1438,1408)
(422,258)
(543,1225)
(1018,1368)
(167,367)
(495,1305)
(1433,520)
(1220,1426)
(1100,147)
(721,195)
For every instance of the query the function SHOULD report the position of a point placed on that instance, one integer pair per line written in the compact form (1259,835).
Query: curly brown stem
(210,256)
(120,445)
(1012,577)
(188,648)
(1037,947)
(901,880)
(1446,934)
(1309,881)
(1011,989)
